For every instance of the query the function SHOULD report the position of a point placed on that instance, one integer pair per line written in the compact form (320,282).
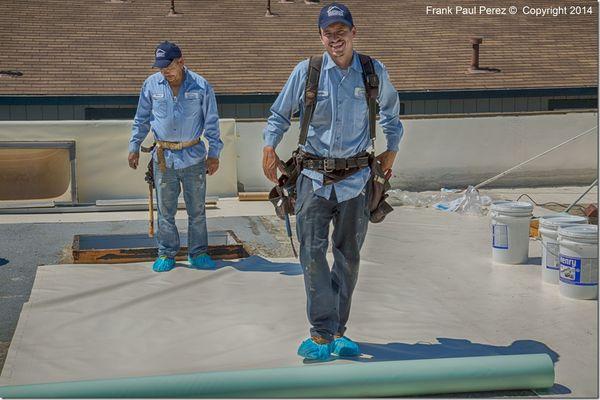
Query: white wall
(101,152)
(455,152)
(434,153)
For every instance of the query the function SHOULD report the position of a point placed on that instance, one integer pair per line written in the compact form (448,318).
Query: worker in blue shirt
(179,106)
(338,129)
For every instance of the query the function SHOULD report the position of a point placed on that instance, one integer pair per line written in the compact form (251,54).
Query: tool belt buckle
(329,164)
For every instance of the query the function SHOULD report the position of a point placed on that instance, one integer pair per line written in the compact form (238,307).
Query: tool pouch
(283,204)
(283,196)
(379,185)
(149,177)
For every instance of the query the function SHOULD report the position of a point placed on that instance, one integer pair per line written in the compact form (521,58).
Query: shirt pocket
(159,105)
(322,114)
(360,108)
(192,104)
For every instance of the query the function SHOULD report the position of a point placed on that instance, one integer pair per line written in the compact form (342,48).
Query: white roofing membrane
(427,289)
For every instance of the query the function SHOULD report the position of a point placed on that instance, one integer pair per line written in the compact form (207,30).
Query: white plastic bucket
(549,226)
(510,231)
(578,248)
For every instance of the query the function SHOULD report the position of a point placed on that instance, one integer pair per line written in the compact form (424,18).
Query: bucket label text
(578,271)
(500,236)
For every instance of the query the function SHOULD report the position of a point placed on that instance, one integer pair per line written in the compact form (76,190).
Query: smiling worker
(332,187)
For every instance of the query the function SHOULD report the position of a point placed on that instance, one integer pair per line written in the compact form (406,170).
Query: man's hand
(134,159)
(269,164)
(387,160)
(212,165)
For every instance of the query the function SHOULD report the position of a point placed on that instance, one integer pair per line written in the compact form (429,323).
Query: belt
(162,145)
(335,164)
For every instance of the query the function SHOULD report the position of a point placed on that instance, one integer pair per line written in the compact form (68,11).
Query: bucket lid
(586,231)
(556,221)
(512,207)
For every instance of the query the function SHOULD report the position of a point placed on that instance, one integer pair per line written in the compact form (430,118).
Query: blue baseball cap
(165,53)
(335,12)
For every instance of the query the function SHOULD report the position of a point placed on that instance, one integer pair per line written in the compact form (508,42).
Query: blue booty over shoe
(202,261)
(344,347)
(163,264)
(311,350)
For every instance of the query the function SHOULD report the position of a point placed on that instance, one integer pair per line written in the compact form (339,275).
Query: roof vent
(475,68)
(269,13)
(11,74)
(172,12)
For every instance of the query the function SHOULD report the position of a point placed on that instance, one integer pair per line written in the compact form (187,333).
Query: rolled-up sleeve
(141,122)
(389,109)
(211,124)
(286,105)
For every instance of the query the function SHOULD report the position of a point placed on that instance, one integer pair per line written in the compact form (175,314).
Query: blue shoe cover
(344,347)
(314,351)
(202,261)
(163,264)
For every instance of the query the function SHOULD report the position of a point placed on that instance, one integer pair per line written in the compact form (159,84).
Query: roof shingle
(94,47)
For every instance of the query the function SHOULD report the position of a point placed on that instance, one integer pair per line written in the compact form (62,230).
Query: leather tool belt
(335,169)
(161,145)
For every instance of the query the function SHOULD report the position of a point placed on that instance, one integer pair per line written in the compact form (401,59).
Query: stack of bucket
(569,247)
(549,227)
(578,257)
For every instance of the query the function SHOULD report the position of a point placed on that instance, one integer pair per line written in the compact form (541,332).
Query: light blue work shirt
(178,119)
(340,122)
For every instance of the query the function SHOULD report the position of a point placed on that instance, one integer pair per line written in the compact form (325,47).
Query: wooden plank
(253,196)
(9,204)
(126,248)
(75,249)
(210,201)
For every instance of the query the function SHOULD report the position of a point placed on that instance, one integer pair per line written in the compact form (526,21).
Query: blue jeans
(168,187)
(329,292)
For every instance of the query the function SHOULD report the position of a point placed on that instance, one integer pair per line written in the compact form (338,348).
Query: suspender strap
(371,81)
(310,95)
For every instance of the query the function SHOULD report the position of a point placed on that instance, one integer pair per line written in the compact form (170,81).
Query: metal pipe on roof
(172,11)
(269,13)
(476,41)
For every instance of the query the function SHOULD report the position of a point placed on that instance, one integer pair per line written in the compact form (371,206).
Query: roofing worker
(180,106)
(326,190)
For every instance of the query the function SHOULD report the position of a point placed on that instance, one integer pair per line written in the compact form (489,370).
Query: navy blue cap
(165,53)
(335,12)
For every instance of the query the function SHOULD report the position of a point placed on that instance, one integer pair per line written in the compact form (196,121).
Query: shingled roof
(97,47)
